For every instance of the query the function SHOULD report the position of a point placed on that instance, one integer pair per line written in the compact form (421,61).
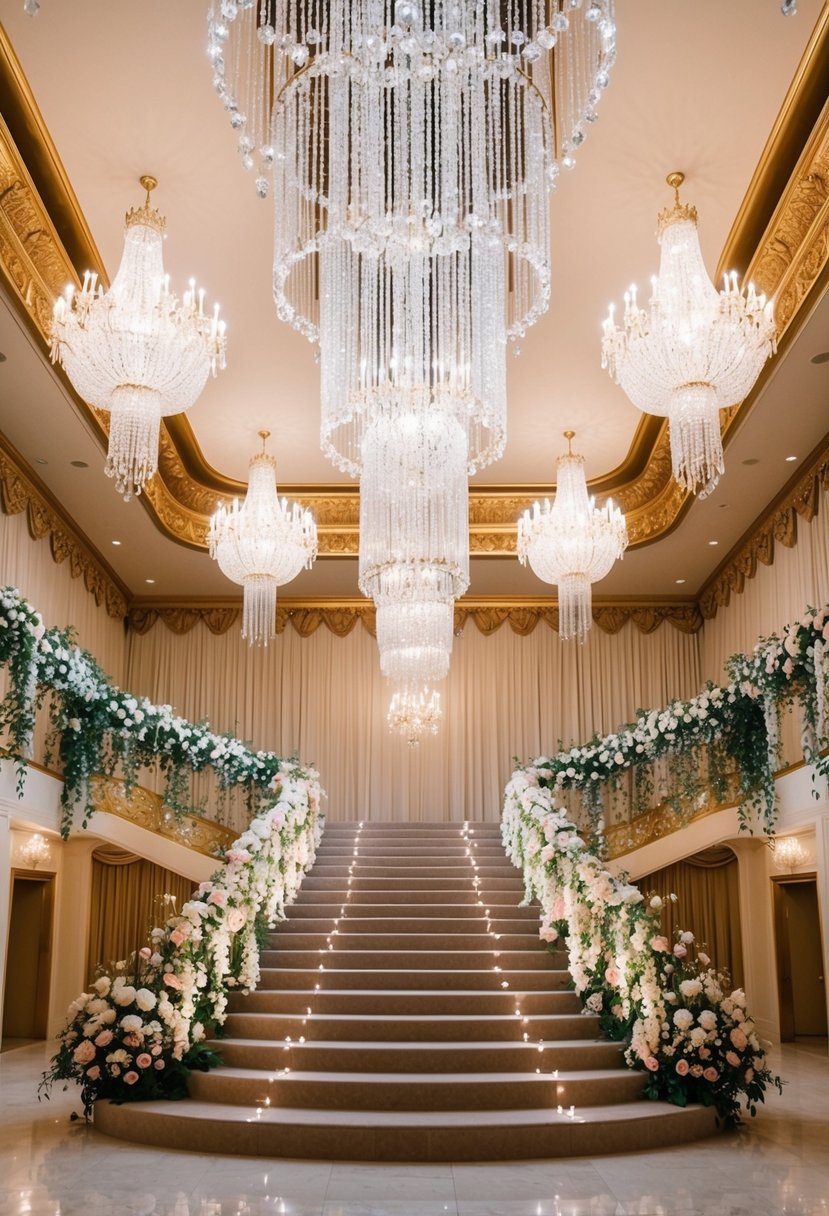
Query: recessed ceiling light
(149,580)
(823,357)
(713,542)
(116,542)
(40,460)
(79,464)
(790,459)
(678,581)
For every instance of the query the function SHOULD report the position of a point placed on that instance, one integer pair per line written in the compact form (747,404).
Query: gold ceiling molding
(20,491)
(45,242)
(305,617)
(801,498)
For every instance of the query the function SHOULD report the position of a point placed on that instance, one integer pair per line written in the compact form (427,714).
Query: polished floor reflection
(780,1164)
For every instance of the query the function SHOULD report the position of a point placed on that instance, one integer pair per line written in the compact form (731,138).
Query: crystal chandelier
(415,712)
(35,850)
(693,352)
(262,544)
(572,543)
(135,350)
(411,149)
(415,623)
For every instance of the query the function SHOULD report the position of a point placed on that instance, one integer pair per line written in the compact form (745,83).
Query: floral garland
(737,726)
(695,1041)
(140,1031)
(97,727)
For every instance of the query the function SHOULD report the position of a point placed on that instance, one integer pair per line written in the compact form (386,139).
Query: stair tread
(419,1078)
(420,1045)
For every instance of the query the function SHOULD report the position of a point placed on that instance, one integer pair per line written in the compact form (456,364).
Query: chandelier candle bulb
(693,351)
(134,350)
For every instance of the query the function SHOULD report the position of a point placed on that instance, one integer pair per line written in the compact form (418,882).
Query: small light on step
(505,983)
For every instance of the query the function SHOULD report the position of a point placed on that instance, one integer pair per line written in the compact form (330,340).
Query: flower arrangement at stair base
(670,1008)
(139,1032)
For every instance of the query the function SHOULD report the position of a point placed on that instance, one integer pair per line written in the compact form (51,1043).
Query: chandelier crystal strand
(693,351)
(134,350)
(572,543)
(414,712)
(262,544)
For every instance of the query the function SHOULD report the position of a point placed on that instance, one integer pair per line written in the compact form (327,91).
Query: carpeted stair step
(275,1026)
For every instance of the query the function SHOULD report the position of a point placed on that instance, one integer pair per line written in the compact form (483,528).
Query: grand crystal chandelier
(572,543)
(262,544)
(134,350)
(411,149)
(414,712)
(694,350)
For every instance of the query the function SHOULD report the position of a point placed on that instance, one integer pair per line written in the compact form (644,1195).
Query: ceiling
(697,87)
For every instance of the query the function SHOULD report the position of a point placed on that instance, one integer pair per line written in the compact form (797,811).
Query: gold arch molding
(779,239)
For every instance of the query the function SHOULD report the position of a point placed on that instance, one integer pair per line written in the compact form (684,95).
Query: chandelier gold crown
(146,214)
(680,211)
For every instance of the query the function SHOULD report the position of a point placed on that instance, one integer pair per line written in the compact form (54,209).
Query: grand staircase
(407,1011)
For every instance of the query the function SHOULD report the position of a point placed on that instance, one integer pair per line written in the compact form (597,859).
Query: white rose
(145,1000)
(102,985)
(124,995)
(132,1024)
(683,1019)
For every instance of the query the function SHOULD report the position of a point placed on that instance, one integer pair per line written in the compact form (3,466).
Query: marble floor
(778,1164)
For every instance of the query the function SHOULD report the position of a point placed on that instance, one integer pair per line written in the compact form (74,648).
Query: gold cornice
(44,242)
(21,490)
(488,613)
(147,810)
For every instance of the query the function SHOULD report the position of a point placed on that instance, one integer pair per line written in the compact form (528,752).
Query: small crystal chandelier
(262,544)
(35,851)
(415,623)
(135,350)
(572,543)
(415,712)
(789,853)
(693,352)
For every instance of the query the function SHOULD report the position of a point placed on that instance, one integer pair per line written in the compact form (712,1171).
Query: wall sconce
(35,850)
(789,853)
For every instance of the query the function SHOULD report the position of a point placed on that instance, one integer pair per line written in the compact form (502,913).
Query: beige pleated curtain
(127,901)
(708,902)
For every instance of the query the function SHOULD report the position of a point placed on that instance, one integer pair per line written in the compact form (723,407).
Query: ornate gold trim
(20,490)
(147,810)
(44,241)
(488,614)
(800,497)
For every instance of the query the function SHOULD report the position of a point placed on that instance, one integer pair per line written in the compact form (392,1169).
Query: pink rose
(733,1059)
(172,981)
(84,1053)
(651,1063)
(680,951)
(132,1040)
(660,943)
(237,855)
(825,632)
(93,1073)
(103,1039)
(144,1060)
(178,936)
(703,959)
(235,919)
(704,1053)
(217,897)
(749,1075)
(156,1051)
(547,933)
(159,1064)
(144,952)
(130,1077)
(613,977)
(682,1067)
(711,1074)
(738,1039)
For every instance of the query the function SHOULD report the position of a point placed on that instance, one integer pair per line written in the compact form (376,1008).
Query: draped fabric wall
(126,903)
(323,699)
(62,600)
(708,902)
(776,595)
